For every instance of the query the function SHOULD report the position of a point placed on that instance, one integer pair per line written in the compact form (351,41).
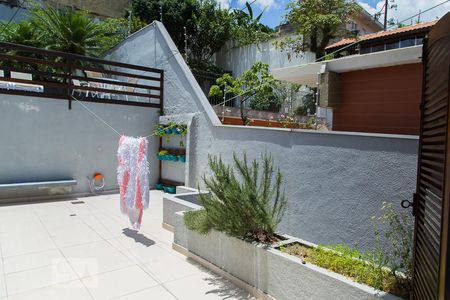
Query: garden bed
(268,269)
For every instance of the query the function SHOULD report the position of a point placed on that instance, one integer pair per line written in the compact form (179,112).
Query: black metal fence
(37,72)
(288,101)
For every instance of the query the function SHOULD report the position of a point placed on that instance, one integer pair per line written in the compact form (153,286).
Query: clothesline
(102,120)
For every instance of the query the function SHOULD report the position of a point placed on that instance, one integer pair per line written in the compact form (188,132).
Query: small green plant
(171,128)
(384,268)
(249,206)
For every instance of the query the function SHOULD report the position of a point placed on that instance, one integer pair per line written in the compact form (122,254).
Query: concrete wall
(240,59)
(43,140)
(335,182)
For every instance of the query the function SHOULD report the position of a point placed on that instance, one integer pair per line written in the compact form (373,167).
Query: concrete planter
(267,269)
(185,199)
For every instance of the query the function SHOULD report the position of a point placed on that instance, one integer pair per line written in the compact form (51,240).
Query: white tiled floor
(59,250)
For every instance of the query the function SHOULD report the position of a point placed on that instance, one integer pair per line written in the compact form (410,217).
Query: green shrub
(386,268)
(249,206)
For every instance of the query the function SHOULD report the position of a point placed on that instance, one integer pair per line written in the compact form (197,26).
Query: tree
(23,33)
(212,31)
(317,22)
(176,14)
(247,29)
(115,30)
(255,84)
(67,30)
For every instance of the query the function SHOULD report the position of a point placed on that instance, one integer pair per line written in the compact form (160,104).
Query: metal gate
(431,268)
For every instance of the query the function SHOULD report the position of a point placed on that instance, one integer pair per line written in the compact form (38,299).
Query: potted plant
(170,189)
(162,155)
(235,230)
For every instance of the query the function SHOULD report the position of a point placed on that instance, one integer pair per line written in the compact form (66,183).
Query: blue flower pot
(159,186)
(168,130)
(170,189)
(182,158)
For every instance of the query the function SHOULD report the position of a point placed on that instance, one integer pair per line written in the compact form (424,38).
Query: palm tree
(67,30)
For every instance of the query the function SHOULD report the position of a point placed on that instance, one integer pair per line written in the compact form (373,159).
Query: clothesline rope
(97,116)
(102,120)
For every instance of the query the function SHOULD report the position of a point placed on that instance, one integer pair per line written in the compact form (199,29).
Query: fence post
(161,102)
(69,80)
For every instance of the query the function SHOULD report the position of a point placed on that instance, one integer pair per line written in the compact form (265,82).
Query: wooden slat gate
(431,267)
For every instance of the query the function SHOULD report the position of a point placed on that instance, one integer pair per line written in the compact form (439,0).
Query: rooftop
(383,34)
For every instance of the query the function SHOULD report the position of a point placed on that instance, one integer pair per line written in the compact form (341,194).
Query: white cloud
(408,8)
(224,3)
(262,3)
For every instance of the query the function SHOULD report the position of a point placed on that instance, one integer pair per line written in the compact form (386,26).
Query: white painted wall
(42,140)
(240,59)
(335,182)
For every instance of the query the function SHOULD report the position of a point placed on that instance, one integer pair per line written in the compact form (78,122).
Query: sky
(275,10)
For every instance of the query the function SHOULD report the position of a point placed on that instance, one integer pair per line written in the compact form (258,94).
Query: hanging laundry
(132,177)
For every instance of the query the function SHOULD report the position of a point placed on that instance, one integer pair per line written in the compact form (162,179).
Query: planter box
(264,123)
(185,199)
(277,274)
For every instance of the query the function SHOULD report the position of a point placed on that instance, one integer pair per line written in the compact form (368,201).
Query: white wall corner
(188,74)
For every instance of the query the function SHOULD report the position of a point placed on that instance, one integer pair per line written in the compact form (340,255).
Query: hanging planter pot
(170,189)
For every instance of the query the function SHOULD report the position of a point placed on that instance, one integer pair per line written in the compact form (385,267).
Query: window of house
(407,42)
(392,45)
(419,40)
(364,50)
(378,48)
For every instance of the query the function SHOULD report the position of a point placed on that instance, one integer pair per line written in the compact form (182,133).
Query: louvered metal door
(431,204)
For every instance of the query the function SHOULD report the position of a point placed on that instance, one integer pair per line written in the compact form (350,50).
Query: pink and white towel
(132,176)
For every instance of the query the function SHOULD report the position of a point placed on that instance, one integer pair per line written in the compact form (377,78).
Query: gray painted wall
(240,59)
(335,181)
(43,140)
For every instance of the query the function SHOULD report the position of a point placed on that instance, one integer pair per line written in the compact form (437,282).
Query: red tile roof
(381,34)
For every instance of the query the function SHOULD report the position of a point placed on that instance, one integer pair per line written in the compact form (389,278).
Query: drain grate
(77,202)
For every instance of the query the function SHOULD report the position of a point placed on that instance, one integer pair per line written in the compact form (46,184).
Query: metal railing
(37,72)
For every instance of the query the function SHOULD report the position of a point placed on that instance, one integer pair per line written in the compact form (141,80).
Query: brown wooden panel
(430,279)
(384,100)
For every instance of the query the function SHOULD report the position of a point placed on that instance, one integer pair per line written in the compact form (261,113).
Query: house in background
(237,60)
(374,85)
(99,8)
(360,23)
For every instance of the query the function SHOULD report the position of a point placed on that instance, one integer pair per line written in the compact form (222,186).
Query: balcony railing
(37,72)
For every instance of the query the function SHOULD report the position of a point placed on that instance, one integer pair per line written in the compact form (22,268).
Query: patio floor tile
(94,258)
(40,277)
(73,290)
(59,250)
(157,293)
(205,286)
(3,293)
(31,261)
(75,236)
(170,268)
(25,245)
(118,283)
